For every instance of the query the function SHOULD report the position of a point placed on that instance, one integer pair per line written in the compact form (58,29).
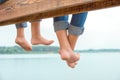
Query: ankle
(67,49)
(19,39)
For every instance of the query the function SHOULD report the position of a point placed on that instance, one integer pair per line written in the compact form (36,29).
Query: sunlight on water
(92,66)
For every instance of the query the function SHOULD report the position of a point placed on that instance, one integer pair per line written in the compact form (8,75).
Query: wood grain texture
(16,11)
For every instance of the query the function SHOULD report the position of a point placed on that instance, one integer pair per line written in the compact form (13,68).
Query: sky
(102,30)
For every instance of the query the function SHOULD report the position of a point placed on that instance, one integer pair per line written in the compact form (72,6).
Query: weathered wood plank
(16,11)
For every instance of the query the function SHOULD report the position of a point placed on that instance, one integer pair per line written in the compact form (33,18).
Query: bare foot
(69,56)
(41,40)
(72,65)
(23,43)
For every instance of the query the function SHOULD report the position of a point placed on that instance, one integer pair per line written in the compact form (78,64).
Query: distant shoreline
(50,50)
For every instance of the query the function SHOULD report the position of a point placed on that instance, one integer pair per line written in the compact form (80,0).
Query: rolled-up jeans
(21,25)
(2,1)
(24,24)
(75,27)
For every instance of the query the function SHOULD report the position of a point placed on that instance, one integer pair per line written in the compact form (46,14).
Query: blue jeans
(2,1)
(24,25)
(21,25)
(75,27)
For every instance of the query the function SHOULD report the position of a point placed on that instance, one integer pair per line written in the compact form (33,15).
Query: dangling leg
(76,28)
(65,51)
(20,38)
(37,38)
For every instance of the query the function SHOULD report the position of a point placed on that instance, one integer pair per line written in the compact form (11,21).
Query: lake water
(92,66)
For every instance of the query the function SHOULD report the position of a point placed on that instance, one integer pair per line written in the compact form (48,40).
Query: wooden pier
(16,11)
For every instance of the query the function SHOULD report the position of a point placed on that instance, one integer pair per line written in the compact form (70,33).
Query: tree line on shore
(47,49)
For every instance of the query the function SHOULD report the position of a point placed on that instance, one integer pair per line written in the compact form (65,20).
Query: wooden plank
(16,11)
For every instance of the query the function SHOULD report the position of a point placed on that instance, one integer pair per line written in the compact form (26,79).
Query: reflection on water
(102,66)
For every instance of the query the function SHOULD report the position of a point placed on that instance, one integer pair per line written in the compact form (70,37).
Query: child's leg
(37,38)
(20,38)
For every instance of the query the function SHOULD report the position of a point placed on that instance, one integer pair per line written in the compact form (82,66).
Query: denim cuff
(2,1)
(21,25)
(60,25)
(77,31)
